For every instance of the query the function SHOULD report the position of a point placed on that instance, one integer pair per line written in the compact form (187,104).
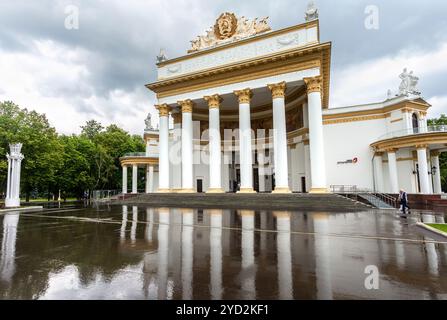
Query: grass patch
(441,227)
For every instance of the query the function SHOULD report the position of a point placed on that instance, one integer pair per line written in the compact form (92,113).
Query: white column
(422,122)
(216,254)
(285,277)
(163,145)
(317,157)
(187,146)
(215,158)
(245,147)
(378,170)
(187,253)
(8,181)
(437,175)
(392,168)
(175,152)
(280,138)
(124,183)
(134,178)
(248,284)
(307,172)
(150,179)
(13,184)
(423,169)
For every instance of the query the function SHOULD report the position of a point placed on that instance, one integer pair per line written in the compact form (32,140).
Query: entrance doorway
(303,185)
(199,185)
(256,179)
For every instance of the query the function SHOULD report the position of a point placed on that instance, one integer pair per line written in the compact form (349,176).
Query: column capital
(379,154)
(406,110)
(213,101)
(278,89)
(435,153)
(244,95)
(421,146)
(314,84)
(163,109)
(177,117)
(186,105)
(422,114)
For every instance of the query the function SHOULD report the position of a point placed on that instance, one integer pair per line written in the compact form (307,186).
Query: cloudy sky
(99,70)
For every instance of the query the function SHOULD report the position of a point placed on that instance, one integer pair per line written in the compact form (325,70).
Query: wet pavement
(130,252)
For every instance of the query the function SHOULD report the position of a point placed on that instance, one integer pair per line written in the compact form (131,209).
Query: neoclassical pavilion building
(250,113)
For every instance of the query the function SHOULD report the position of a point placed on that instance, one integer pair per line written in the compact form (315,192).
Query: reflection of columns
(187,252)
(378,170)
(134,178)
(399,245)
(163,252)
(123,224)
(317,157)
(215,158)
(149,179)
(423,169)
(124,179)
(437,176)
(248,256)
(216,254)
(322,256)
(432,256)
(245,147)
(7,261)
(149,223)
(187,147)
(392,168)
(133,229)
(280,138)
(285,276)
(163,146)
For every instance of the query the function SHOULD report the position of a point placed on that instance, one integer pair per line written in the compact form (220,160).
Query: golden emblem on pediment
(225,26)
(229,28)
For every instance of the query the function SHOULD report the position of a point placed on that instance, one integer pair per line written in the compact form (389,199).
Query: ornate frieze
(229,28)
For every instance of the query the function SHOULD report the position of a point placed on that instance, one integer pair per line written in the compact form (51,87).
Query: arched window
(415,122)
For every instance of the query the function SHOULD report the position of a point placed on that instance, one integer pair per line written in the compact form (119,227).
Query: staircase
(259,201)
(375,201)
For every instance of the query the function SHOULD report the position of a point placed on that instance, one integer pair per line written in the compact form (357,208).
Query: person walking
(403,199)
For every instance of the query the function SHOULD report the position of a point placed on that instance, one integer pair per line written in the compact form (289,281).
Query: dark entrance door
(256,179)
(417,175)
(303,184)
(199,185)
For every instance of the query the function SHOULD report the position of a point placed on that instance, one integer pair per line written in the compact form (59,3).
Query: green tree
(91,129)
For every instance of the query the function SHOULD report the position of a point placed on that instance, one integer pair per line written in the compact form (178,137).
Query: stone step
(310,202)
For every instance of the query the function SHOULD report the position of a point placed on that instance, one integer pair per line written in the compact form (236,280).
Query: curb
(20,209)
(434,230)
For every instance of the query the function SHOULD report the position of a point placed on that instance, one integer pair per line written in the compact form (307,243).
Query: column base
(188,190)
(215,190)
(164,191)
(282,190)
(246,190)
(319,190)
(12,203)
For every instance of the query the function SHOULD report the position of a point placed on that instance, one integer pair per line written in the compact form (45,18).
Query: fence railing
(355,191)
(410,131)
(105,194)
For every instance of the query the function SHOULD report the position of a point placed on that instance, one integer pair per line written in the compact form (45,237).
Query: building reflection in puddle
(430,248)
(149,224)
(248,272)
(285,278)
(322,256)
(216,254)
(163,254)
(133,229)
(187,253)
(123,224)
(7,262)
